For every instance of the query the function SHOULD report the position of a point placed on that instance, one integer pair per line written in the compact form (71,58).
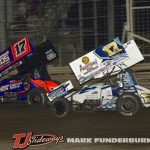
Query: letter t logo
(18,138)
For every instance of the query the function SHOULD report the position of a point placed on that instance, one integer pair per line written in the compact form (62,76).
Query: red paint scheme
(27,49)
(46,85)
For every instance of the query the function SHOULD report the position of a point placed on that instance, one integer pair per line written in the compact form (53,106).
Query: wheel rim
(60,108)
(36,99)
(128,105)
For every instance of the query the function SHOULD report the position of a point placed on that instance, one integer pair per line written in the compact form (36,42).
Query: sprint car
(32,80)
(118,91)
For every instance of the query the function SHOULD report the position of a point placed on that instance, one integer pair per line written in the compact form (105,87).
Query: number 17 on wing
(21,48)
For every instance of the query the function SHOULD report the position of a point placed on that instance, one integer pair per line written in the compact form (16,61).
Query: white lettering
(79,140)
(4,58)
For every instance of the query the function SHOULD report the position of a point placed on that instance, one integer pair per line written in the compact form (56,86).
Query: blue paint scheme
(105,87)
(87,89)
(104,56)
(116,90)
(10,60)
(32,85)
(9,83)
(20,90)
(22,98)
(128,83)
(23,57)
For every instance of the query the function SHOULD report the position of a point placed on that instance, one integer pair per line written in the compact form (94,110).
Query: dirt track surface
(20,118)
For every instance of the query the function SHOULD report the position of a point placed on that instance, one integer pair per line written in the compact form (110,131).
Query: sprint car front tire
(59,107)
(37,97)
(128,104)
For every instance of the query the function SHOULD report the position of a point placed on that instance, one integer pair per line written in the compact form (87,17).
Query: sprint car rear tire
(128,104)
(59,107)
(37,97)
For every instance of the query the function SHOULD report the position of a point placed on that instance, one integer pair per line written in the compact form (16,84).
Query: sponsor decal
(14,84)
(61,90)
(4,88)
(88,66)
(57,92)
(21,48)
(85,60)
(111,49)
(50,55)
(4,59)
(10,58)
(10,68)
(23,140)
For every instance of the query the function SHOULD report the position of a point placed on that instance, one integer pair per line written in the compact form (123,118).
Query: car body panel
(26,60)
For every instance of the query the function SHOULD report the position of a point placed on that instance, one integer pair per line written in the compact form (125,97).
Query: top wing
(44,54)
(12,56)
(102,60)
(134,56)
